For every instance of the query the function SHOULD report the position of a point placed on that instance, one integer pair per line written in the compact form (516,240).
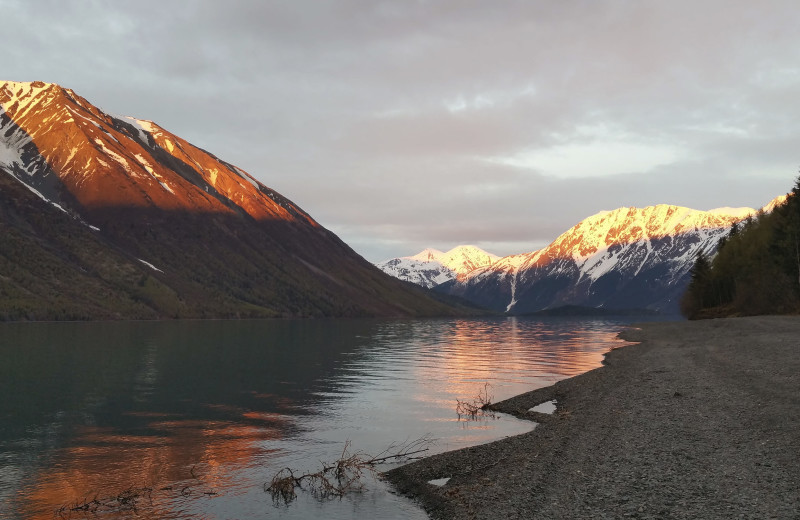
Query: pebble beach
(692,420)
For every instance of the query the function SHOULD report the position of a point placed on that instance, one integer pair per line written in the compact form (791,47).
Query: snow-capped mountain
(72,154)
(172,229)
(432,267)
(622,259)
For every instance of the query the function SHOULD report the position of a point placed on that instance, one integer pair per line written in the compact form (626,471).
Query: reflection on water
(205,412)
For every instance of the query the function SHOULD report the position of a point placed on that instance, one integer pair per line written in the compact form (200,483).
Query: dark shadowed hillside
(109,217)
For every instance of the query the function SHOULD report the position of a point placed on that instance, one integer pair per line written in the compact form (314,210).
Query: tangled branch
(477,407)
(344,475)
(125,501)
(128,501)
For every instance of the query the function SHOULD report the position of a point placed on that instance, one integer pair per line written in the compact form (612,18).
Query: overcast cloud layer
(410,124)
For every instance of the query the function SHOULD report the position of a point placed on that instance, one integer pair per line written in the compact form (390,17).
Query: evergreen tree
(696,297)
(785,245)
(756,269)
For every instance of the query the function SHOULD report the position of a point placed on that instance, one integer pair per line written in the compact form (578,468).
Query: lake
(189,419)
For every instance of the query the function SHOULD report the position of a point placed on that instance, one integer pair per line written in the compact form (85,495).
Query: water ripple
(97,408)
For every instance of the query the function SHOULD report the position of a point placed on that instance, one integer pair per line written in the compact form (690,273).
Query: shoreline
(695,419)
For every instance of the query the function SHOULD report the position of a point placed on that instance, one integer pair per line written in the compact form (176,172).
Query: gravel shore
(698,420)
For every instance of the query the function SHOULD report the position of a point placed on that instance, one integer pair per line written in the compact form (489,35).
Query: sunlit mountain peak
(138,222)
(624,258)
(431,267)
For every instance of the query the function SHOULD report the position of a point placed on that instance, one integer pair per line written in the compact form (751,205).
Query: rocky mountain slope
(115,217)
(623,259)
(432,267)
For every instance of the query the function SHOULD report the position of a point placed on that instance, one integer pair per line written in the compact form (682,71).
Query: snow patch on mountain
(24,95)
(12,147)
(249,178)
(741,213)
(13,142)
(513,292)
(143,126)
(151,266)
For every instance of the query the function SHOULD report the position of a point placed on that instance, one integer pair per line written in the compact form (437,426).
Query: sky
(409,124)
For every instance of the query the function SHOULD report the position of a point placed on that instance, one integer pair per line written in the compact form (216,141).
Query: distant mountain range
(105,216)
(432,267)
(624,259)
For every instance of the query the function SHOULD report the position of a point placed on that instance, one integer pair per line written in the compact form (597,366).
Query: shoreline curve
(694,419)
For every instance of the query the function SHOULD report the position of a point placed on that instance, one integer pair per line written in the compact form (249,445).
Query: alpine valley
(107,217)
(626,260)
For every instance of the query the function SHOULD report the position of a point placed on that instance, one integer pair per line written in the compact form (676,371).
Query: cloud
(402,125)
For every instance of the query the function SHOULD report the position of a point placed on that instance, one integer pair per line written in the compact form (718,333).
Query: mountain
(432,267)
(115,217)
(622,259)
(628,258)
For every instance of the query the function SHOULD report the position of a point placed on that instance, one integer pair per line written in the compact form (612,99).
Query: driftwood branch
(344,475)
(130,500)
(478,407)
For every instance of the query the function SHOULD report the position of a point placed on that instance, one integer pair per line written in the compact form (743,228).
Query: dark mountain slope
(109,217)
(53,267)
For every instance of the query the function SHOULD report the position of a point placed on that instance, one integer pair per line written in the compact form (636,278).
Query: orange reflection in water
(512,355)
(184,460)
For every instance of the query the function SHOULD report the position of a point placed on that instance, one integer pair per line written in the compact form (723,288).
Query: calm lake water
(205,412)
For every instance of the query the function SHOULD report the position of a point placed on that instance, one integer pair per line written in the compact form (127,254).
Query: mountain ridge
(153,165)
(432,267)
(623,258)
(194,236)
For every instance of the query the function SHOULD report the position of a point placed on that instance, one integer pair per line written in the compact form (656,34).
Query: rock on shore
(698,420)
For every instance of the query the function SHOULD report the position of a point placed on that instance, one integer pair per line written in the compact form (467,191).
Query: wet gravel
(699,420)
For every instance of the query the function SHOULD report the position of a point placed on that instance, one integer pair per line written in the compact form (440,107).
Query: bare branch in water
(477,407)
(344,475)
(131,500)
